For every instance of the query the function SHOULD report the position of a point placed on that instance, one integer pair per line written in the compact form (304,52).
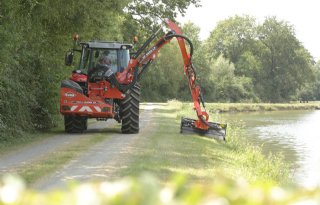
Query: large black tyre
(75,124)
(129,110)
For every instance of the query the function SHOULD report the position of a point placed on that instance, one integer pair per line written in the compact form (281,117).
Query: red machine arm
(202,125)
(189,71)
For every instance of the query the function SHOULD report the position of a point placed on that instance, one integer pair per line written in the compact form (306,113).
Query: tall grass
(164,152)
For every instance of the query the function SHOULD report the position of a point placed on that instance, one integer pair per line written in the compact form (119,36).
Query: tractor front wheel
(129,109)
(75,124)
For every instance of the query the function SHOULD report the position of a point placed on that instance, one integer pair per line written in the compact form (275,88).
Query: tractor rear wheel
(75,124)
(130,110)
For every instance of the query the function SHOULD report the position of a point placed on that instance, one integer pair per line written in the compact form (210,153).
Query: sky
(304,15)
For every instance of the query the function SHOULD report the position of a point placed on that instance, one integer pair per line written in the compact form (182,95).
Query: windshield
(124,57)
(116,59)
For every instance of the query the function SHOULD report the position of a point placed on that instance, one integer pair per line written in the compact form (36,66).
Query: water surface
(294,133)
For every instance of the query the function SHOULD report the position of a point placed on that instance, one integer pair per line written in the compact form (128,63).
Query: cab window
(124,57)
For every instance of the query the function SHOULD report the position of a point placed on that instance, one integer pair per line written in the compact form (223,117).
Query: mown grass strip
(165,152)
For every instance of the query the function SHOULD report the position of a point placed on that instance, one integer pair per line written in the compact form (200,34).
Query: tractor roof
(107,45)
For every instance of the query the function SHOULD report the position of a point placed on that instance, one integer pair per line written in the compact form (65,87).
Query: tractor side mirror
(69,58)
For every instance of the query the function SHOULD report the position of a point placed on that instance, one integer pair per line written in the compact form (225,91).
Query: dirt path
(32,152)
(98,162)
(95,164)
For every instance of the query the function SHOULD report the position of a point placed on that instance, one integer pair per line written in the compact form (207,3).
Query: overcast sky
(304,15)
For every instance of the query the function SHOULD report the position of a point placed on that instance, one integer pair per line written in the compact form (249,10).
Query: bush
(147,190)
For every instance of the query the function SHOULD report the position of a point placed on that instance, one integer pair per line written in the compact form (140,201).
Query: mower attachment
(215,130)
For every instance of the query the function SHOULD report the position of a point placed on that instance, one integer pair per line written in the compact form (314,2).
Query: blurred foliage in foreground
(147,190)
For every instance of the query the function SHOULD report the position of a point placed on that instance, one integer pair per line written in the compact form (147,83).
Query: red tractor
(105,85)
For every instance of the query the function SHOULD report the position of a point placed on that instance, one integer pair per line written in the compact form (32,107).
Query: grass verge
(165,152)
(29,138)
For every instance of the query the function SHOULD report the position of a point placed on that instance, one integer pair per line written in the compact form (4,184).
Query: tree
(142,17)
(311,89)
(286,63)
(232,37)
(164,76)
(269,54)
(149,12)
(226,86)
(316,86)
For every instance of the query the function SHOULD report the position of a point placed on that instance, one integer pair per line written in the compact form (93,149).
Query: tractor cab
(97,57)
(89,92)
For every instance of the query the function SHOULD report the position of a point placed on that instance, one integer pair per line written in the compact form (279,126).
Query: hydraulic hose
(123,88)
(191,53)
(194,71)
(141,49)
(190,44)
(185,38)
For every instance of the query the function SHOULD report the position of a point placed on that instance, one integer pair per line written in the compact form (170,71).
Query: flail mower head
(203,128)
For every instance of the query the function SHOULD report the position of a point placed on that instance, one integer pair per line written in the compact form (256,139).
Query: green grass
(50,163)
(18,142)
(208,165)
(165,152)
(27,138)
(212,108)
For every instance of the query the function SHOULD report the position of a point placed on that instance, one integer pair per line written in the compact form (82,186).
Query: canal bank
(291,130)
(294,134)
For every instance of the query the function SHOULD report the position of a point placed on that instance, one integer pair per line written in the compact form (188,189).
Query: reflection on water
(294,133)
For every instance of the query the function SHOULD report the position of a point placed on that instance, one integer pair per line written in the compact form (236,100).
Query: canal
(295,134)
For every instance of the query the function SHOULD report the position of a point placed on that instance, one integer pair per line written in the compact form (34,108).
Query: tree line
(243,61)
(240,61)
(34,36)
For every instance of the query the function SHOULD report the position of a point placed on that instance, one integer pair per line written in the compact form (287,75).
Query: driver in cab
(102,66)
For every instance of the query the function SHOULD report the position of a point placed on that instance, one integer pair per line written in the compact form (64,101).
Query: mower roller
(214,130)
(106,85)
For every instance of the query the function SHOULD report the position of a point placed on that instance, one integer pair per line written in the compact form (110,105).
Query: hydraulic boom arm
(130,75)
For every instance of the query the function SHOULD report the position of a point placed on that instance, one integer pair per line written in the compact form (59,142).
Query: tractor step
(216,130)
